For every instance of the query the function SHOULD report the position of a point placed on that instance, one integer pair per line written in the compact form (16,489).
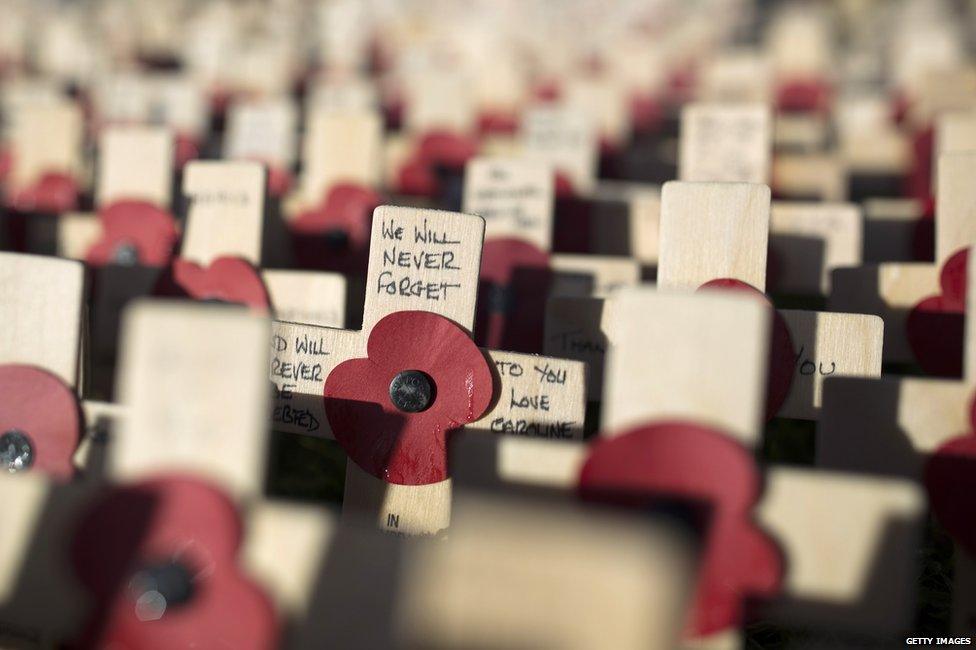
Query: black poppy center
(16,451)
(412,391)
(160,586)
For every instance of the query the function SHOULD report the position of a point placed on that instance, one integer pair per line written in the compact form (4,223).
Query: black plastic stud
(16,451)
(412,391)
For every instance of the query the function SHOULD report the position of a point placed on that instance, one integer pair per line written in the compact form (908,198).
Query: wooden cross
(316,567)
(891,290)
(719,230)
(654,373)
(890,426)
(444,282)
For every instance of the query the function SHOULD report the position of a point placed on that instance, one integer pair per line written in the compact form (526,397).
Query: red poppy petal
(139,226)
(950,477)
(699,466)
(447,149)
(45,409)
(399,447)
(52,193)
(782,355)
(953,278)
(935,329)
(227,279)
(169,519)
(347,209)
(515,278)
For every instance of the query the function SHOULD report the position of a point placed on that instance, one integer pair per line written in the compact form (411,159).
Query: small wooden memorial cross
(897,426)
(655,382)
(929,335)
(518,269)
(421,262)
(717,231)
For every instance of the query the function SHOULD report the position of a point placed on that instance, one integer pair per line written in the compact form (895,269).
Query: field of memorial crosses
(487,324)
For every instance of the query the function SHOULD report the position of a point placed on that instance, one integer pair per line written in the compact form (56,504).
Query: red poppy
(435,150)
(511,310)
(40,422)
(804,95)
(187,148)
(497,121)
(334,235)
(716,478)
(782,355)
(226,279)
(53,192)
(950,478)
(392,411)
(159,558)
(134,232)
(935,327)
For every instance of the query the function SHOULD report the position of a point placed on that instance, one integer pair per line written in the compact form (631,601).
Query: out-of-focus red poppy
(159,558)
(40,422)
(715,480)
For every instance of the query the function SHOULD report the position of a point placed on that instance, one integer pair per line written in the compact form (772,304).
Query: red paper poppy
(392,411)
(511,310)
(498,121)
(6,162)
(334,235)
(950,478)
(52,193)
(160,559)
(782,354)
(435,150)
(803,95)
(280,181)
(134,232)
(716,478)
(226,279)
(40,422)
(935,327)
(187,148)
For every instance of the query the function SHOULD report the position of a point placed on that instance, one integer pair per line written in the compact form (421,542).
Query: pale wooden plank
(40,604)
(285,549)
(828,345)
(580,328)
(514,196)
(226,211)
(725,142)
(539,397)
(340,147)
(565,139)
(713,230)
(851,545)
(425,260)
(955,201)
(192,378)
(41,302)
(592,275)
(662,342)
(311,297)
(45,137)
(886,290)
(810,240)
(889,426)
(482,587)
(136,163)
(302,356)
